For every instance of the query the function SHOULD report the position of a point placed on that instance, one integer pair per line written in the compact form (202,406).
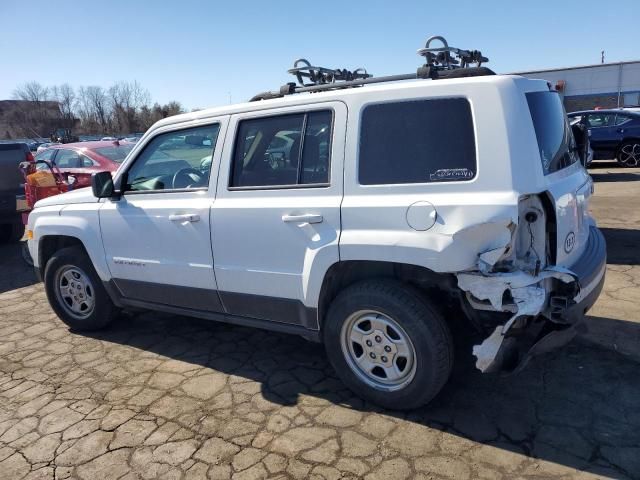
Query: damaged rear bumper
(549,307)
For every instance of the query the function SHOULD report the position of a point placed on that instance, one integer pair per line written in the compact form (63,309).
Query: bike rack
(441,62)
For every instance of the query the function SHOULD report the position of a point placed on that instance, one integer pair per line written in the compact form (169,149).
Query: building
(605,85)
(26,119)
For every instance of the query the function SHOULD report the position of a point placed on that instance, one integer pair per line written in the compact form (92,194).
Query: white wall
(594,80)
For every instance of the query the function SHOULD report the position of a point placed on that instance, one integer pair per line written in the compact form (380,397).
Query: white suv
(357,217)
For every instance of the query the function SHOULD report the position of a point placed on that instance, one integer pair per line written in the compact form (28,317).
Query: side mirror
(102,185)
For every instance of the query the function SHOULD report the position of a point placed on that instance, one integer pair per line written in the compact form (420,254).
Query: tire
(75,292)
(400,312)
(629,154)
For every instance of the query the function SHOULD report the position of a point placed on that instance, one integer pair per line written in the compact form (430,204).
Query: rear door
(567,181)
(276,218)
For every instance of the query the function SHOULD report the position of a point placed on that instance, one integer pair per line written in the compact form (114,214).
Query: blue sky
(200,52)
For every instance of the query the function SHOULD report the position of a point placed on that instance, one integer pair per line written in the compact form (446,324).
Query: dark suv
(11,154)
(612,133)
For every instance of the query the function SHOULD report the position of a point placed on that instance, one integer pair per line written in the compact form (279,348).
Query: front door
(157,236)
(276,219)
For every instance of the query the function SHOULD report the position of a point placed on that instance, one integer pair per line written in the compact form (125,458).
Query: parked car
(83,159)
(613,134)
(395,207)
(11,155)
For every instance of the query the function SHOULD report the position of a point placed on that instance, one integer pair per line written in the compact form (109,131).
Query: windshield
(115,153)
(555,140)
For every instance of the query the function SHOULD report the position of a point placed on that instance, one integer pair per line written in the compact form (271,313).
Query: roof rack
(441,62)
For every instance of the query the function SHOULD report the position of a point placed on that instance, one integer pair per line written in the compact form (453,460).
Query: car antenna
(440,62)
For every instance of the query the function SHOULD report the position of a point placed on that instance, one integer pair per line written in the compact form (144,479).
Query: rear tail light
(29,157)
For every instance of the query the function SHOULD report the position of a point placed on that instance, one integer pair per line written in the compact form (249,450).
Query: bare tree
(36,113)
(98,102)
(127,99)
(150,115)
(123,108)
(32,92)
(66,97)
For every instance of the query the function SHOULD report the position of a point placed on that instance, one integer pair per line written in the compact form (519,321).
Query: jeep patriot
(352,210)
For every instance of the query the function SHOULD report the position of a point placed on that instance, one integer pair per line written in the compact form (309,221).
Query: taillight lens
(30,157)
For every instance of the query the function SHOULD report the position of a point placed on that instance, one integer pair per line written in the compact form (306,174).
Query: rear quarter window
(555,140)
(422,141)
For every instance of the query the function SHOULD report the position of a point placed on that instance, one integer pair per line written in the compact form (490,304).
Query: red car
(81,160)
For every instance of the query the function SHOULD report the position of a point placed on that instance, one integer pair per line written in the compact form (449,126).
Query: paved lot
(164,397)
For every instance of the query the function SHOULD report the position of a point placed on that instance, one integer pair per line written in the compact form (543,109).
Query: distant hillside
(22,118)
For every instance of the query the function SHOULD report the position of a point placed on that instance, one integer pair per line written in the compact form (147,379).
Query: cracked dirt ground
(157,396)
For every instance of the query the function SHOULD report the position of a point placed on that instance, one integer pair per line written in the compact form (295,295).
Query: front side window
(68,159)
(419,141)
(175,161)
(46,154)
(285,150)
(555,140)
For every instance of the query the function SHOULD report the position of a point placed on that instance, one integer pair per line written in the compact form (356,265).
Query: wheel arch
(48,245)
(79,227)
(344,273)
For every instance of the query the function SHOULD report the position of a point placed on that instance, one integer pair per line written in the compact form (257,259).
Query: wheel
(11,232)
(75,291)
(629,154)
(388,344)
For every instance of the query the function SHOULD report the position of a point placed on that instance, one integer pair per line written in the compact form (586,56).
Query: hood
(82,195)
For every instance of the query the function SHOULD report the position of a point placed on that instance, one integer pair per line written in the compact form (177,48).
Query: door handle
(186,217)
(304,218)
(621,130)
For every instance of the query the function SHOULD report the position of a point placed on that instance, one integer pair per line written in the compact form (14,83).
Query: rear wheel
(629,154)
(388,344)
(75,291)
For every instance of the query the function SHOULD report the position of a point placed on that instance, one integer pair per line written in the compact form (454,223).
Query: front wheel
(388,344)
(75,291)
(629,154)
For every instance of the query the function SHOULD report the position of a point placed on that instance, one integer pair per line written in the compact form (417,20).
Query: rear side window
(417,142)
(555,140)
(284,150)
